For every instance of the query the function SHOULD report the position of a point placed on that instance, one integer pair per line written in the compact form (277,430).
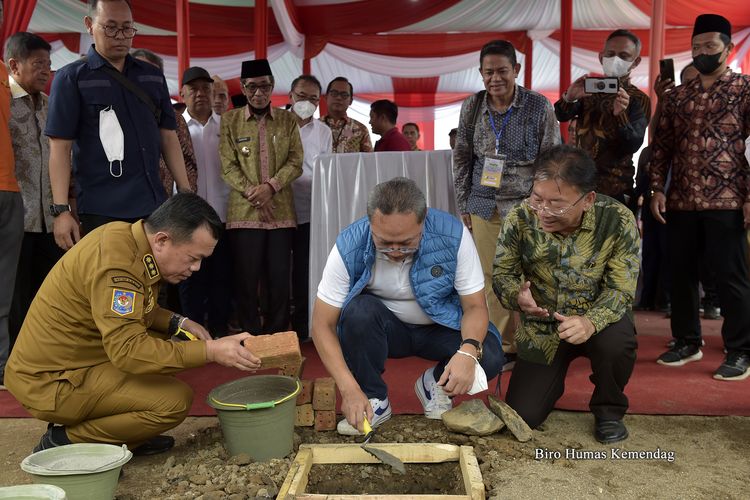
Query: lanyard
(499,134)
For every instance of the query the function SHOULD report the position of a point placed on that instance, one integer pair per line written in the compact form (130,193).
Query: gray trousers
(11,237)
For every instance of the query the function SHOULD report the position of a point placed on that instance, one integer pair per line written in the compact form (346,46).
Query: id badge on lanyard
(494,164)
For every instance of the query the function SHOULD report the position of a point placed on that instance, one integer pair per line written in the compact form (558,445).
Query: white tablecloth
(342,184)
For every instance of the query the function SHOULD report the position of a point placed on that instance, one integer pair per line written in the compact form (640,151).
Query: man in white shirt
(316,139)
(403,281)
(206,295)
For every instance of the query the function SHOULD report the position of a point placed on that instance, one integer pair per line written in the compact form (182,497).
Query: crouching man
(567,258)
(402,281)
(96,351)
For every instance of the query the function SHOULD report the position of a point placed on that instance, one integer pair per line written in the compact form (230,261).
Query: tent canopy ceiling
(382,44)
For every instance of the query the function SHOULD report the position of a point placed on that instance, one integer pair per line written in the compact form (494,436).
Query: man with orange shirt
(11,215)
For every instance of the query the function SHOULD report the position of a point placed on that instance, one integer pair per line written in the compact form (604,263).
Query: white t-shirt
(390,281)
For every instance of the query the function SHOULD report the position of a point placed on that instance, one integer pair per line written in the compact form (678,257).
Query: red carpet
(653,389)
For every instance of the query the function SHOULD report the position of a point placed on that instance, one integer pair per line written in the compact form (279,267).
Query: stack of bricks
(316,404)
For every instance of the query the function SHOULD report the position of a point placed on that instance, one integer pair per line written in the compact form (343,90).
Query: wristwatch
(56,210)
(476,344)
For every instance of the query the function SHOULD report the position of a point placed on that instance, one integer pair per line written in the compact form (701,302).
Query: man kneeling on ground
(402,281)
(567,258)
(96,351)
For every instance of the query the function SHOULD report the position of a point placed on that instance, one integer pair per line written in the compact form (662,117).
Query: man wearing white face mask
(316,139)
(610,127)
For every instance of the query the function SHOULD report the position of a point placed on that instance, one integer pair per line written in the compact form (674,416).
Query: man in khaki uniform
(96,352)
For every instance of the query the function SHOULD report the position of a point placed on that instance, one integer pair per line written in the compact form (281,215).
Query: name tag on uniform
(492,173)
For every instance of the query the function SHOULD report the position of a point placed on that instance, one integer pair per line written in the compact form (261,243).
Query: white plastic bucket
(86,471)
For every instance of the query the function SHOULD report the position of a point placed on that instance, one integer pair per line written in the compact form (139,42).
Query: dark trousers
(11,238)
(719,237)
(370,333)
(258,252)
(534,388)
(39,253)
(207,295)
(656,276)
(301,280)
(89,222)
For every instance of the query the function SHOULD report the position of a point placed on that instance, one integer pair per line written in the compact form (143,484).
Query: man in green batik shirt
(567,259)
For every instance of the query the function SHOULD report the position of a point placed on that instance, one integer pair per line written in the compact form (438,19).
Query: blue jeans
(370,333)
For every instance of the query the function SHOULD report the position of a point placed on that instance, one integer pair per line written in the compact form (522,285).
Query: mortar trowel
(381,455)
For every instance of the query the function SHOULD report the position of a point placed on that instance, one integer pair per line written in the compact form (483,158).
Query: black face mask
(707,63)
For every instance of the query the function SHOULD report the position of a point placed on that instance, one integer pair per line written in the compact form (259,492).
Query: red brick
(324,394)
(305,416)
(305,394)
(325,420)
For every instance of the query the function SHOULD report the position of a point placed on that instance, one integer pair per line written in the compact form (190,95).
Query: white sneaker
(433,398)
(381,410)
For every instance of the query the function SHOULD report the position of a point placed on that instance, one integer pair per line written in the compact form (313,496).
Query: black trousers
(718,236)
(39,253)
(656,276)
(301,280)
(534,388)
(206,296)
(258,252)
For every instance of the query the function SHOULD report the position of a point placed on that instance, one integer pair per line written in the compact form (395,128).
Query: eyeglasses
(336,93)
(553,211)
(403,250)
(252,89)
(299,97)
(113,31)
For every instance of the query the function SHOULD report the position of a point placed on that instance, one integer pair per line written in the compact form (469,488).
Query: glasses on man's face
(336,93)
(539,207)
(264,88)
(401,250)
(113,31)
(301,97)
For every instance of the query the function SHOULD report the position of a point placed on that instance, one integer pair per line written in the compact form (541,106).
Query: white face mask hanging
(112,138)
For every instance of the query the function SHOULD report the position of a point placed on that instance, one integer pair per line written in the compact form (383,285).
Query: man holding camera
(611,118)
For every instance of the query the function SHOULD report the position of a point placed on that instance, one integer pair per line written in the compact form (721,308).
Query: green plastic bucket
(86,471)
(257,415)
(32,492)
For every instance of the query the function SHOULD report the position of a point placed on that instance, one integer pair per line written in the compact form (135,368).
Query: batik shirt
(610,140)
(530,129)
(349,135)
(701,136)
(592,272)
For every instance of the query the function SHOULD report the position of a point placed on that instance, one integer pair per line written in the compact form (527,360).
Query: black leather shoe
(154,446)
(54,436)
(610,431)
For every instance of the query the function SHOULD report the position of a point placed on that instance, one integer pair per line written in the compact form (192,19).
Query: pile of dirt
(660,459)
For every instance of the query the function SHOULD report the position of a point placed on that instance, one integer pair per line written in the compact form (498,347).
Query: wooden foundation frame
(431,453)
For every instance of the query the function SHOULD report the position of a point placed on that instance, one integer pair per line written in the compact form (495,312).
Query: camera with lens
(601,85)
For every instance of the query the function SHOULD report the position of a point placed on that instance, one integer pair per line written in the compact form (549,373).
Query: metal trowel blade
(381,455)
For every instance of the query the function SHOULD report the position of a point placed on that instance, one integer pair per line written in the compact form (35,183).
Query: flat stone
(241,459)
(198,479)
(214,495)
(516,425)
(169,462)
(473,418)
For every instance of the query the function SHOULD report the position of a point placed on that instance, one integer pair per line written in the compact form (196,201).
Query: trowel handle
(366,426)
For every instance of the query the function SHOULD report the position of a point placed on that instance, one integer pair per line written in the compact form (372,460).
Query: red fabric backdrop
(17,14)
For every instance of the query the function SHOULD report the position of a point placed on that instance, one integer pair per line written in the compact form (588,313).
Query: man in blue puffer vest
(403,281)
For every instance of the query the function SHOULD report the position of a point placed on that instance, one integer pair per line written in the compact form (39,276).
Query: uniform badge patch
(122,301)
(436,271)
(150,263)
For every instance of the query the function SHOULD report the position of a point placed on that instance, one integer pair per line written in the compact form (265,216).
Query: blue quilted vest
(432,273)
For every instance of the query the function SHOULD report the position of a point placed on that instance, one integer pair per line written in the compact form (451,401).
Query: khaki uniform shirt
(97,305)
(254,152)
